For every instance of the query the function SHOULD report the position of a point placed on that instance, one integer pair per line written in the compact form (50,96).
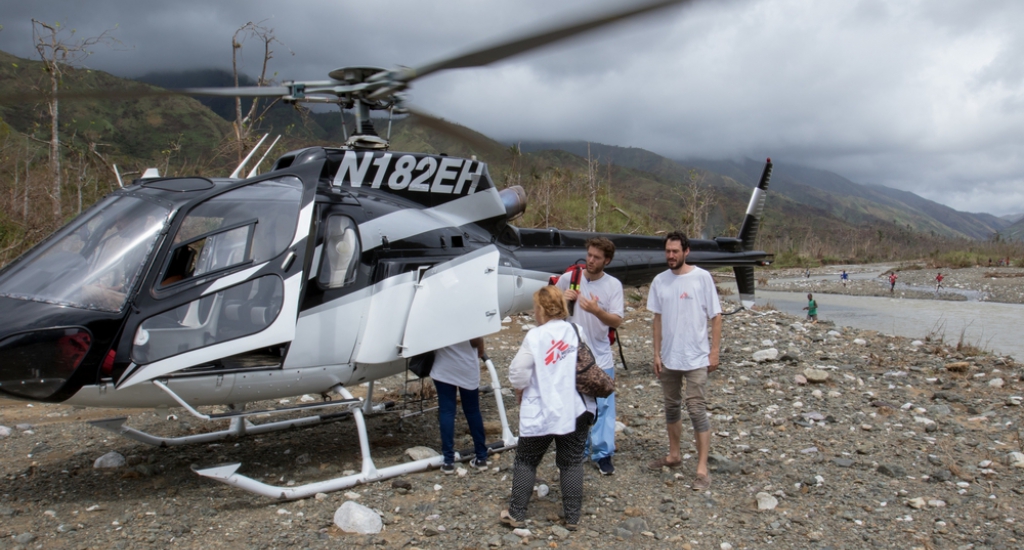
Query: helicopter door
(454,302)
(232,280)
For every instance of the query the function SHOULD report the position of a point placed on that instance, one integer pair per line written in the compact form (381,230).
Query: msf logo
(685,296)
(555,352)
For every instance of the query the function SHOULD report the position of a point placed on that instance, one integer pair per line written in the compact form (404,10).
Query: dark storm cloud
(922,96)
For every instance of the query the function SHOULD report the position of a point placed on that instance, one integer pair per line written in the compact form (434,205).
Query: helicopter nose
(37,363)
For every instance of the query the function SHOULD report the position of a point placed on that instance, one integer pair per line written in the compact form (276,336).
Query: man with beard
(684,301)
(598,307)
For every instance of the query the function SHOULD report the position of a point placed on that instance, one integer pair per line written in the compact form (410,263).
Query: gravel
(839,463)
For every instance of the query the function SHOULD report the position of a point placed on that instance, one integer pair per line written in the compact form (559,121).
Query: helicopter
(331,270)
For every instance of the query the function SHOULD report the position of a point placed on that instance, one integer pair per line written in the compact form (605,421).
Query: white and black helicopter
(331,270)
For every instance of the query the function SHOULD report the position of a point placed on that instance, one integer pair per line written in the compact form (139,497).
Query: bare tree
(515,166)
(592,185)
(245,124)
(698,201)
(59,54)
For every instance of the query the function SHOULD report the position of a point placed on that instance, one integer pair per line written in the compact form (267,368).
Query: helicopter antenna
(391,114)
(117,173)
(241,166)
(264,157)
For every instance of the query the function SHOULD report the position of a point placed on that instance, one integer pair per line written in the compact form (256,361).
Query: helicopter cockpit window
(251,224)
(341,252)
(94,262)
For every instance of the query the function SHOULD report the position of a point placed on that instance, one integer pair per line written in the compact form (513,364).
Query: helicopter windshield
(94,262)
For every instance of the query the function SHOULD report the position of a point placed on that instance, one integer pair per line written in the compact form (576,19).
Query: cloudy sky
(921,95)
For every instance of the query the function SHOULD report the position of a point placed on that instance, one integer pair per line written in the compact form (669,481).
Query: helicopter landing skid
(227,473)
(240,425)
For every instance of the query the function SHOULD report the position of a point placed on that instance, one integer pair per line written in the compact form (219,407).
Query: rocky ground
(988,284)
(836,439)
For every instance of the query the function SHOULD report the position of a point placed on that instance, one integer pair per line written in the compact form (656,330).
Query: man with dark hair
(599,306)
(684,301)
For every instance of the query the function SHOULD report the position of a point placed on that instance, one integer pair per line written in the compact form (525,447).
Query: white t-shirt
(608,291)
(545,369)
(686,303)
(457,365)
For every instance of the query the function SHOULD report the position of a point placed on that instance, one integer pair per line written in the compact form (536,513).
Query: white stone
(522,533)
(936,503)
(916,503)
(767,343)
(923,420)
(619,427)
(307,399)
(917,343)
(996,382)
(725,546)
(461,472)
(352,495)
(419,453)
(437,487)
(817,394)
(769,354)
(817,376)
(833,333)
(860,341)
(984,463)
(353,517)
(528,327)
(320,496)
(1015,459)
(113,459)
(4,432)
(543,490)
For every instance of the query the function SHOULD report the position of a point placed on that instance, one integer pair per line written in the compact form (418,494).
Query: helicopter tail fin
(755,210)
(745,284)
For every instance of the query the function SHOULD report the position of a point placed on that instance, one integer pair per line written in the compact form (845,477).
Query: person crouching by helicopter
(543,374)
(599,306)
(457,370)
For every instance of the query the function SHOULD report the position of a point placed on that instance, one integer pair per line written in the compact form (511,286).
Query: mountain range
(806,204)
(818,189)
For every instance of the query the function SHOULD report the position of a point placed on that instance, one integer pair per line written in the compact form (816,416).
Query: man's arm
(478,345)
(657,345)
(716,342)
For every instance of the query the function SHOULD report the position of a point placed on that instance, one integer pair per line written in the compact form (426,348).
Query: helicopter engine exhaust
(514,199)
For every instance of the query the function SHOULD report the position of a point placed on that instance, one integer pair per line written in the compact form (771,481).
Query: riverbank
(988,284)
(904,443)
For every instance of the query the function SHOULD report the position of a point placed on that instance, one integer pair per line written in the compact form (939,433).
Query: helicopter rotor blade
(461,133)
(241,91)
(501,51)
(136,93)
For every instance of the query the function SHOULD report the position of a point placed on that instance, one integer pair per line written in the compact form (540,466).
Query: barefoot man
(685,303)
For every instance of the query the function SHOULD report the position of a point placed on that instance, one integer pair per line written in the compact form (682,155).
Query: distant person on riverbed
(845,277)
(938,282)
(892,282)
(807,274)
(812,309)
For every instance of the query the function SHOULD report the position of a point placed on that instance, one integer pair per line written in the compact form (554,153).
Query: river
(991,326)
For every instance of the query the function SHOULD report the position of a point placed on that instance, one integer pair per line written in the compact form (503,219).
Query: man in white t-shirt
(685,302)
(598,308)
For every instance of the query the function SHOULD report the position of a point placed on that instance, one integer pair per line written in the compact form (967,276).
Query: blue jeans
(602,433)
(446,418)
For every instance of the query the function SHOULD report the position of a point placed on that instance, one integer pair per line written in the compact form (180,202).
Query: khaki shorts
(696,405)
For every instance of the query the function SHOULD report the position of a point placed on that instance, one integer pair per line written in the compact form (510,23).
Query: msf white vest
(550,403)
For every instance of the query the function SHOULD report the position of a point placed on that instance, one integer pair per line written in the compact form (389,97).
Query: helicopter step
(227,473)
(240,424)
